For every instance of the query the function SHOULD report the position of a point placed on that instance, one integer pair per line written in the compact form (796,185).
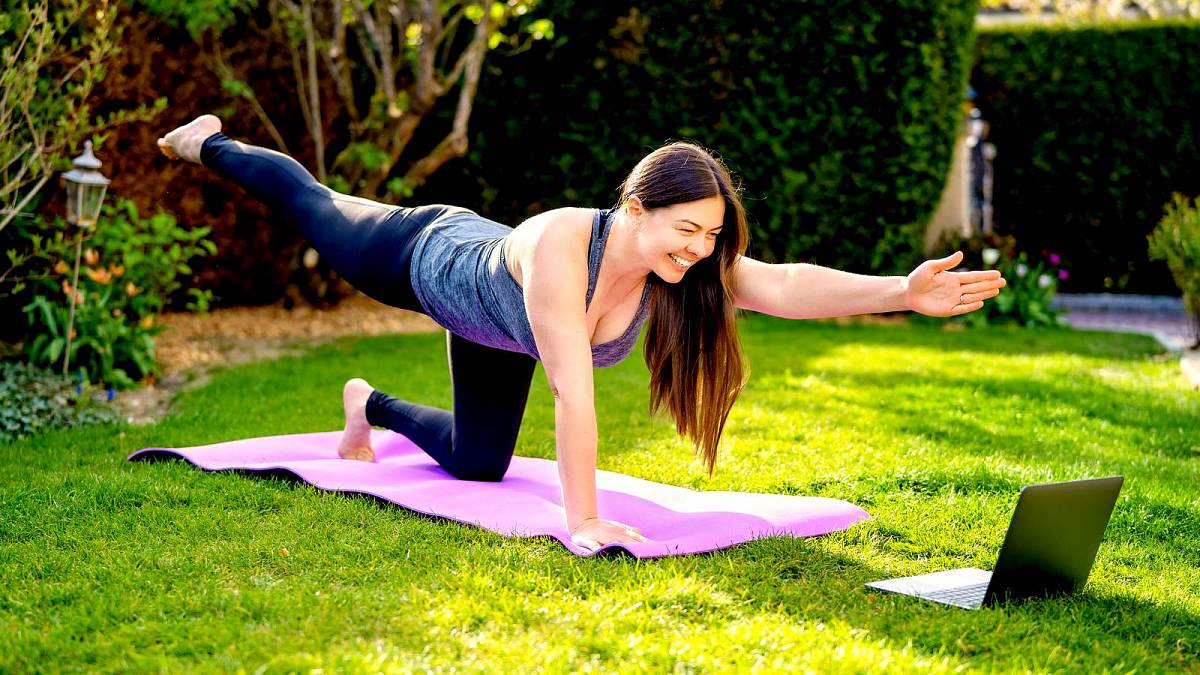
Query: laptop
(1049,549)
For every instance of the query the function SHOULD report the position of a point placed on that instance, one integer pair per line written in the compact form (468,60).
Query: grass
(107,565)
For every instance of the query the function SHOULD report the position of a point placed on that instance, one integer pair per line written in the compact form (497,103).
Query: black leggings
(370,245)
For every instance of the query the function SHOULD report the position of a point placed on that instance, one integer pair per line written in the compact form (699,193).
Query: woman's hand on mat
(596,532)
(934,290)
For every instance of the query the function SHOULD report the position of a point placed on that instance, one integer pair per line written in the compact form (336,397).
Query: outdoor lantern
(85,191)
(85,188)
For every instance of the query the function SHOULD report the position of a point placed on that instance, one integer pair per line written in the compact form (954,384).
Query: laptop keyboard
(962,596)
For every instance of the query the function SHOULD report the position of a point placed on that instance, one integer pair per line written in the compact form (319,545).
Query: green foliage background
(838,116)
(1096,126)
(1176,241)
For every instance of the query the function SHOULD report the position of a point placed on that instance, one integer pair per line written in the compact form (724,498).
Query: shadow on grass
(817,585)
(1063,401)
(1007,341)
(810,581)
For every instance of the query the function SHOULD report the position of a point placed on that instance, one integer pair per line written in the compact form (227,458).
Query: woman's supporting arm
(555,285)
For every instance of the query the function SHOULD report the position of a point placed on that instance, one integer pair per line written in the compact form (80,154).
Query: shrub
(33,400)
(131,266)
(1095,128)
(1032,280)
(1176,240)
(1026,299)
(839,116)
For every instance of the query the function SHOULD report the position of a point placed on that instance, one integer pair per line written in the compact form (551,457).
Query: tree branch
(385,75)
(314,90)
(367,50)
(455,143)
(335,60)
(218,65)
(426,86)
(25,200)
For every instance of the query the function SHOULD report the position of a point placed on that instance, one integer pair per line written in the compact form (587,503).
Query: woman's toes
(166,149)
(186,141)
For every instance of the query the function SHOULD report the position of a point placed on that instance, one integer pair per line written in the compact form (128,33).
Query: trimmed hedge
(1095,128)
(838,116)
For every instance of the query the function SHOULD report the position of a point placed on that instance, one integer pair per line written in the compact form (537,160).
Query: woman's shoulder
(558,227)
(555,236)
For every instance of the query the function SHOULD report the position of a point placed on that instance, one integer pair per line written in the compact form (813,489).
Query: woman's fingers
(972,277)
(949,261)
(624,532)
(967,298)
(586,543)
(982,286)
(963,309)
(596,533)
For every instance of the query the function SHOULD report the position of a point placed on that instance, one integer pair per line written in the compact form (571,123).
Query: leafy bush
(34,400)
(130,268)
(53,59)
(1032,280)
(1176,240)
(1096,126)
(838,116)
(1032,285)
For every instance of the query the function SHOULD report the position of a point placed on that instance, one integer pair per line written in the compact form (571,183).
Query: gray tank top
(459,277)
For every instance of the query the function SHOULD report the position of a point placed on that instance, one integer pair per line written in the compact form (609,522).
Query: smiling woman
(572,288)
(686,208)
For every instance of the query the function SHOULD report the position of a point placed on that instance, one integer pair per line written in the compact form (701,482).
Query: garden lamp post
(85,191)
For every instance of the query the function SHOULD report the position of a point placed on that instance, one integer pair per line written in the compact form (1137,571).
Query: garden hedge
(838,116)
(1095,126)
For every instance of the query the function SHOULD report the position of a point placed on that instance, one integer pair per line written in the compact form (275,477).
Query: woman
(572,288)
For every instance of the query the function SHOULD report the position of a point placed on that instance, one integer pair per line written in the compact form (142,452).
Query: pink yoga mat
(527,503)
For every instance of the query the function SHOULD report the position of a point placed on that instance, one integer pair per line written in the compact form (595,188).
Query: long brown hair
(697,369)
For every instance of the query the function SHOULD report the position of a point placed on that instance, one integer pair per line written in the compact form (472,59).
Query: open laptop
(1049,549)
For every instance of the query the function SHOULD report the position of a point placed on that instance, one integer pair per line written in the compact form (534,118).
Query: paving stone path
(1162,317)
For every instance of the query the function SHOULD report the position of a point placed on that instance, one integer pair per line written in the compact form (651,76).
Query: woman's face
(673,238)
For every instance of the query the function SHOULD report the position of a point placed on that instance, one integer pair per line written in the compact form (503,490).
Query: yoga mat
(527,503)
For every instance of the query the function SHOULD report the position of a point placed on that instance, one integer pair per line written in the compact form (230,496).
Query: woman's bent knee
(483,474)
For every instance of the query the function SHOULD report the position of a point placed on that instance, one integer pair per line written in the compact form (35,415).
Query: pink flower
(1062,275)
(1054,259)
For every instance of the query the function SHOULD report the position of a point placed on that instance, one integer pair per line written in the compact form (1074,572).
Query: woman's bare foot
(356,440)
(185,141)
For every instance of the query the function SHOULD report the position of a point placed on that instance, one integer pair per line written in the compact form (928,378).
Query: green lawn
(116,566)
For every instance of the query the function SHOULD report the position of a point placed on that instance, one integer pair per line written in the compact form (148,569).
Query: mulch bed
(192,343)
(234,334)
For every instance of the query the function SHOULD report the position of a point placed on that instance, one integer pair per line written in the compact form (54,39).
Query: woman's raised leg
(366,242)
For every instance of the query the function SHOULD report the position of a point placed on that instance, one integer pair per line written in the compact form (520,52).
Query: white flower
(1044,281)
(990,256)
(1022,270)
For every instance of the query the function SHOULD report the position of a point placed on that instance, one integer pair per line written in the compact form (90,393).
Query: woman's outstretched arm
(803,291)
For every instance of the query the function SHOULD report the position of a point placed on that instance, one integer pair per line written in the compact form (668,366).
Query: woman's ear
(633,206)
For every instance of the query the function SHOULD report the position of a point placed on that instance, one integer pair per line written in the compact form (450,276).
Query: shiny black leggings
(370,245)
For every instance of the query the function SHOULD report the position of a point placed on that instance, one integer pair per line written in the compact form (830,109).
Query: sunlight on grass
(107,565)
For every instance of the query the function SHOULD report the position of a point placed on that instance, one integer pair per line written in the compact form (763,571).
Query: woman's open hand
(936,291)
(594,533)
